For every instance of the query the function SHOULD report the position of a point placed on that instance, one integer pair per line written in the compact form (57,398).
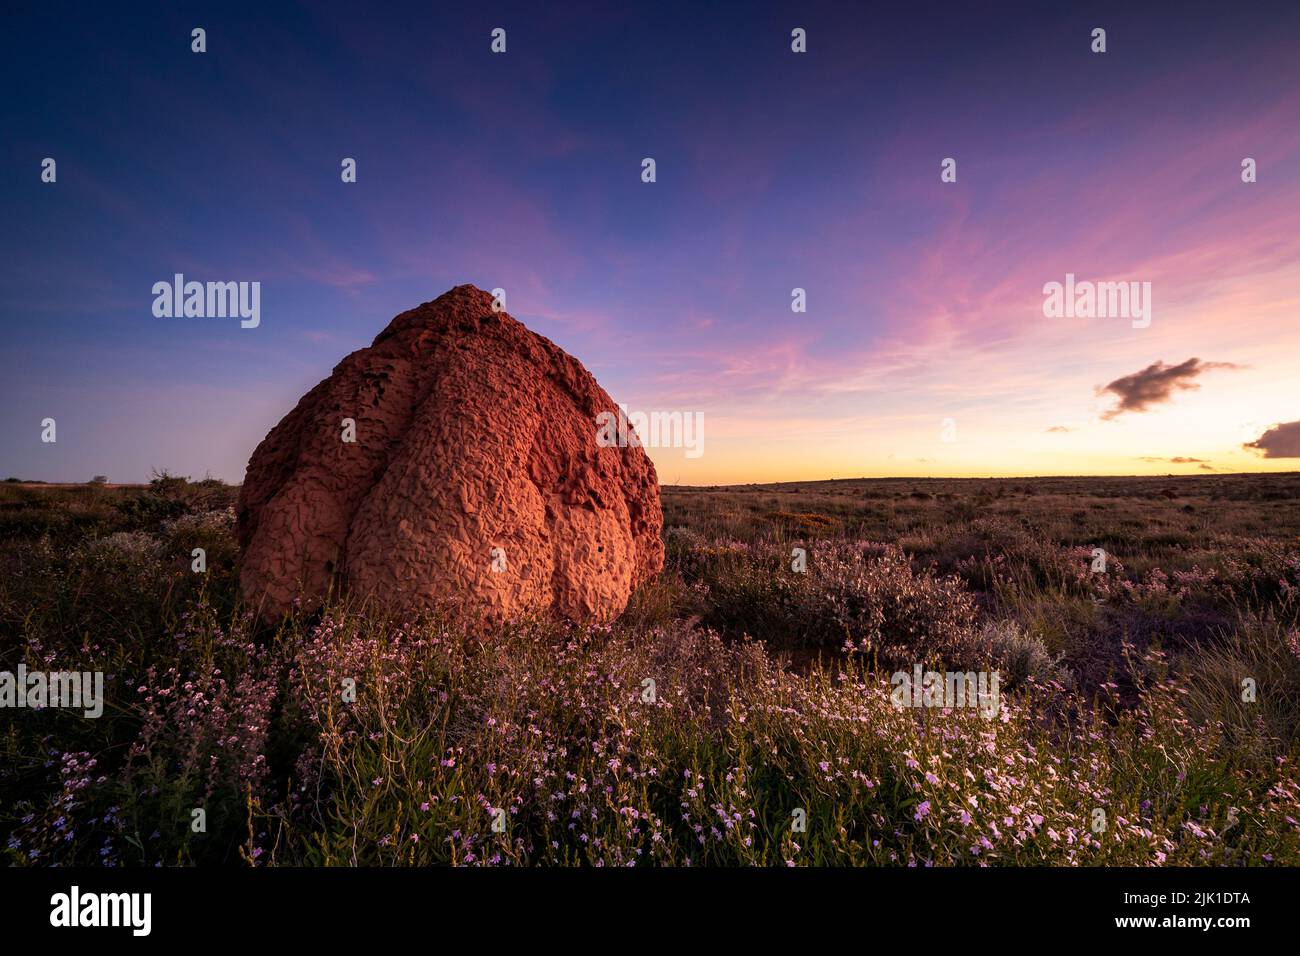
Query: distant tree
(99,480)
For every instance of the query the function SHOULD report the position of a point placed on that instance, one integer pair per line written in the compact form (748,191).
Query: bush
(168,497)
(1020,656)
(863,598)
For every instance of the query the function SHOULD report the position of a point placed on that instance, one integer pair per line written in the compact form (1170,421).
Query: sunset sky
(775,170)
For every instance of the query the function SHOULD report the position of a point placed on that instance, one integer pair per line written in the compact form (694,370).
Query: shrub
(1020,656)
(861,597)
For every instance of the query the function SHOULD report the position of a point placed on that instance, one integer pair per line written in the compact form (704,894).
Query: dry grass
(770,695)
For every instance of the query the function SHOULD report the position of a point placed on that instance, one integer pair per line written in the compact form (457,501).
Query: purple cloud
(1155,385)
(1280,441)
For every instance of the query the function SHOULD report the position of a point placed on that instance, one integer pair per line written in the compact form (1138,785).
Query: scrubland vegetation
(738,713)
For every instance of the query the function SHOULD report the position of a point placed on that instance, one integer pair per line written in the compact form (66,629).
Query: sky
(924,349)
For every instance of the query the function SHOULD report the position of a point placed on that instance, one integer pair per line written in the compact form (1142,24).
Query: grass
(741,712)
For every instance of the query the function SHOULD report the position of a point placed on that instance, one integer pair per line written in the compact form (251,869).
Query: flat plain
(1145,633)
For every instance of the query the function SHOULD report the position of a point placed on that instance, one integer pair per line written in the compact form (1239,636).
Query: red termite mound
(474,479)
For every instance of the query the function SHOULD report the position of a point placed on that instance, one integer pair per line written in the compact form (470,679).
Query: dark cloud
(1280,441)
(1179,460)
(1155,385)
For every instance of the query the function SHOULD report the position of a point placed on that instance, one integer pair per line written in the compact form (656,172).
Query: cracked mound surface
(471,434)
